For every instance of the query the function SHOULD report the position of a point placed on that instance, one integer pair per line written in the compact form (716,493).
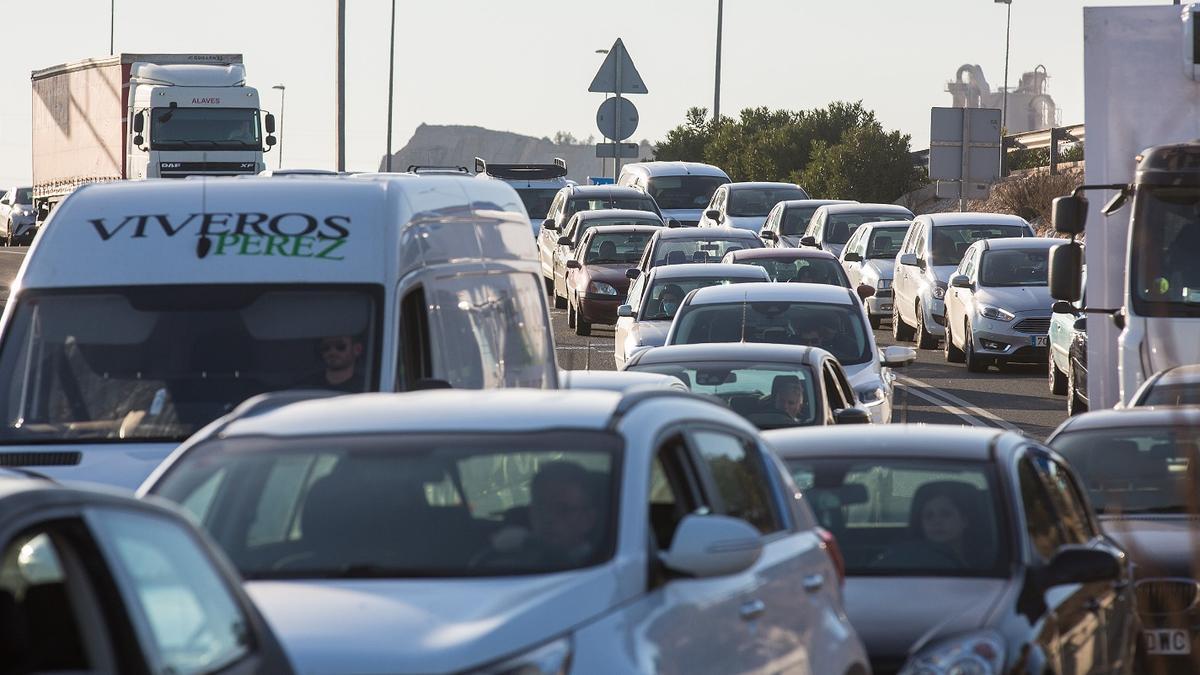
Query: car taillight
(835,553)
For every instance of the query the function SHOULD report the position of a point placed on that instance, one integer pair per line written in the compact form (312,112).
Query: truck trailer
(137,116)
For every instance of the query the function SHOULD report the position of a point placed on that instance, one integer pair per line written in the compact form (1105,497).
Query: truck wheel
(974,363)
(900,330)
(952,353)
(925,339)
(1057,378)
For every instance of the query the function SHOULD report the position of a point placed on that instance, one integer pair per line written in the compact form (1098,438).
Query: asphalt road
(10,262)
(930,390)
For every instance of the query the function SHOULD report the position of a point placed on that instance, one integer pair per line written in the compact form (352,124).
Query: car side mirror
(851,416)
(625,310)
(674,222)
(898,356)
(1080,325)
(961,281)
(864,291)
(1062,307)
(808,240)
(574,264)
(1077,564)
(768,234)
(564,241)
(1069,214)
(851,256)
(633,273)
(549,225)
(908,259)
(712,546)
(1066,268)
(713,214)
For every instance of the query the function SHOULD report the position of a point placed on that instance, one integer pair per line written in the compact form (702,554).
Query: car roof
(864,208)
(697,233)
(1187,374)
(937,441)
(888,225)
(729,351)
(616,229)
(608,190)
(768,291)
(780,252)
(676,168)
(1149,416)
(760,185)
(972,218)
(613,380)
(618,213)
(1020,243)
(707,271)
(801,203)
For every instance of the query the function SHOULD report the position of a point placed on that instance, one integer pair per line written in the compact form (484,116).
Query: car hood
(423,625)
(610,274)
(651,333)
(1160,545)
(892,614)
(835,249)
(862,374)
(752,223)
(1016,298)
(943,272)
(879,268)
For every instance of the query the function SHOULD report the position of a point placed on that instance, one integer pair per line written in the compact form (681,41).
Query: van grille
(39,458)
(1033,326)
(1166,596)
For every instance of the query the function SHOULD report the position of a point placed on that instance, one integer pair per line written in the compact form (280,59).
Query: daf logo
(171,165)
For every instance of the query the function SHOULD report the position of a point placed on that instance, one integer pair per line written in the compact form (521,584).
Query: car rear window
(838,329)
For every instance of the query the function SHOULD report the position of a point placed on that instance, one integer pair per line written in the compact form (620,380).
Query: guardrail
(1042,138)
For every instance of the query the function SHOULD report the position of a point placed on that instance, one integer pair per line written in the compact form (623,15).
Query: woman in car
(944,529)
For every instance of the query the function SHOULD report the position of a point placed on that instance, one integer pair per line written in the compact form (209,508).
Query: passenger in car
(944,529)
(564,519)
(787,397)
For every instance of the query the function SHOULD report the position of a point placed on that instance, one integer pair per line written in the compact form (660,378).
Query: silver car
(17,216)
(832,225)
(869,258)
(653,299)
(787,222)
(998,303)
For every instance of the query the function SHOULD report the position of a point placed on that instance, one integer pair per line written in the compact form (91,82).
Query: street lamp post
(717,83)
(282,90)
(391,87)
(603,161)
(112,26)
(1007,33)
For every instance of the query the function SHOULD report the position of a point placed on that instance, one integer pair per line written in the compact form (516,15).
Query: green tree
(686,142)
(867,163)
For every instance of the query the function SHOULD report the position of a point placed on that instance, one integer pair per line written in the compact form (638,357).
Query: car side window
(1072,515)
(556,206)
(968,263)
(1040,524)
(919,243)
(737,473)
(833,390)
(673,491)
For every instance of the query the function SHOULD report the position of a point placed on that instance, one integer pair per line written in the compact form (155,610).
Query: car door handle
(814,582)
(752,610)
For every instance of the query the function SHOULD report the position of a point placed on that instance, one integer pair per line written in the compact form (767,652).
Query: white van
(537,184)
(146,310)
(681,189)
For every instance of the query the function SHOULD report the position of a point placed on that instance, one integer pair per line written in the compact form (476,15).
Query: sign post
(617,117)
(964,149)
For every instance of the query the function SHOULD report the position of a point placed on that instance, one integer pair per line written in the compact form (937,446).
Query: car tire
(1075,405)
(560,301)
(974,363)
(570,316)
(875,321)
(1057,379)
(900,330)
(582,328)
(925,339)
(952,353)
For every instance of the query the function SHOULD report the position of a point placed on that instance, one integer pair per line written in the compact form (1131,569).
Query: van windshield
(684,192)
(156,363)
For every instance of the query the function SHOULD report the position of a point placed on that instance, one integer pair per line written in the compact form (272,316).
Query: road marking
(21,253)
(947,407)
(951,403)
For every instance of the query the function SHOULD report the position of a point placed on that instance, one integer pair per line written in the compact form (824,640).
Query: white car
(832,225)
(818,315)
(520,531)
(617,380)
(644,319)
(870,258)
(747,205)
(788,221)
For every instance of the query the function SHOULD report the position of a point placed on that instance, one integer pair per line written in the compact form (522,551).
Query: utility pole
(1007,33)
(717,85)
(391,87)
(341,85)
(282,90)
(112,26)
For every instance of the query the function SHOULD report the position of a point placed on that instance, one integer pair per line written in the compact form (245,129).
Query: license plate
(1166,641)
(1039,340)
(885,306)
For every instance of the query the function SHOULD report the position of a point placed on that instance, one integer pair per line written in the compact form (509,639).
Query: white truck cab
(537,184)
(145,310)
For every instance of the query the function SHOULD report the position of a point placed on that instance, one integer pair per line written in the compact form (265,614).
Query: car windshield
(537,201)
(665,295)
(24,196)
(1165,248)
(805,270)
(950,242)
(838,329)
(684,192)
(885,242)
(677,251)
(840,226)
(576,233)
(404,506)
(158,362)
(795,219)
(611,248)
(758,202)
(1014,267)
(906,517)
(1135,469)
(1173,394)
(769,395)
(204,128)
(595,203)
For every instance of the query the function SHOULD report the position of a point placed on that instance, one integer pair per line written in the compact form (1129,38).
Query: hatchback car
(931,251)
(1138,466)
(567,242)
(17,218)
(832,225)
(1066,320)
(608,533)
(677,246)
(967,550)
(788,221)
(869,258)
(746,206)
(998,304)
(99,582)
(617,380)
(595,282)
(575,198)
(681,189)
(808,266)
(772,386)
(655,297)
(1170,387)
(829,317)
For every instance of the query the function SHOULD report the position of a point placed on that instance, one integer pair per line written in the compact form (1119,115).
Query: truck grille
(1033,326)
(39,458)
(1166,596)
(883,292)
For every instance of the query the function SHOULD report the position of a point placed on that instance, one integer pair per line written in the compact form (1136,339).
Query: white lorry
(135,116)
(1143,281)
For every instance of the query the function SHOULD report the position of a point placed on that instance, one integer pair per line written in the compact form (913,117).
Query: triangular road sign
(606,78)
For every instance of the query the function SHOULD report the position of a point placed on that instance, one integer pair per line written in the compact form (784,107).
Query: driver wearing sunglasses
(340,354)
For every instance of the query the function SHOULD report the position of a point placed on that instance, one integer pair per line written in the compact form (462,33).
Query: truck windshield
(156,363)
(204,128)
(1166,245)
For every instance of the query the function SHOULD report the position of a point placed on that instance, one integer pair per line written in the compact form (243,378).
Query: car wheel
(900,330)
(570,316)
(1057,379)
(582,328)
(925,339)
(876,322)
(549,281)
(560,301)
(1075,405)
(952,353)
(974,363)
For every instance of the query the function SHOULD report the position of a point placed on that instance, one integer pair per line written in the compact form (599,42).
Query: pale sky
(524,65)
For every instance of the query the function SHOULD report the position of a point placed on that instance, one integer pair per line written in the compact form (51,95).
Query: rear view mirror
(1077,564)
(1066,266)
(852,256)
(1069,214)
(624,310)
(710,546)
(852,416)
(808,240)
(713,215)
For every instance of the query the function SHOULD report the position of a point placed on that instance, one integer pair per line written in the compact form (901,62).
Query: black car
(98,582)
(967,550)
(1077,369)
(1140,467)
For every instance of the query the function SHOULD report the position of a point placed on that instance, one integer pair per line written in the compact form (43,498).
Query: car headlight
(601,288)
(939,292)
(972,654)
(553,658)
(995,313)
(883,283)
(871,395)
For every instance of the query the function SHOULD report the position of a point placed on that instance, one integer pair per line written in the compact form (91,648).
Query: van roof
(675,169)
(327,229)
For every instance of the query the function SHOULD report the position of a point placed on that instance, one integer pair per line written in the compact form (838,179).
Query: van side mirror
(1080,325)
(564,241)
(269,123)
(1062,307)
(549,225)
(1069,214)
(674,222)
(908,259)
(711,546)
(865,291)
(1066,267)
(270,140)
(769,235)
(1076,564)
